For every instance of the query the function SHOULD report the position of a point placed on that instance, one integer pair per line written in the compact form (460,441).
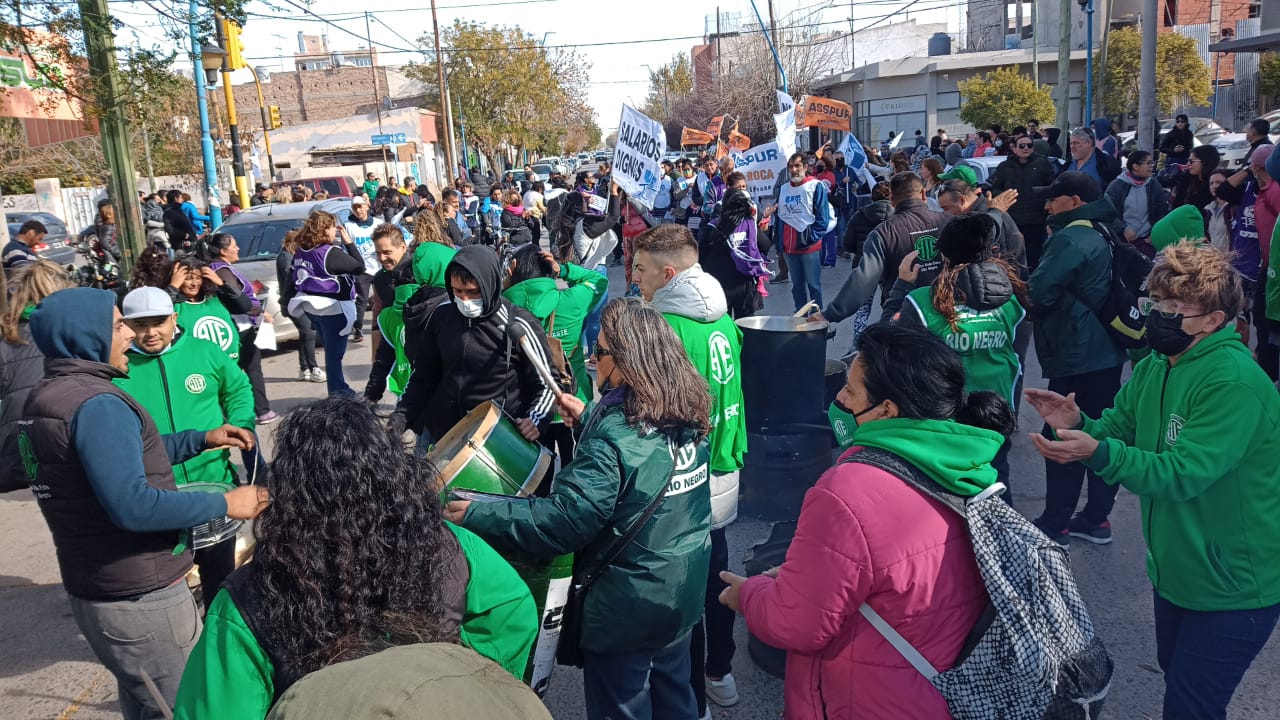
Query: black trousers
(1095,392)
(1034,236)
(711,648)
(216,563)
(363,282)
(251,362)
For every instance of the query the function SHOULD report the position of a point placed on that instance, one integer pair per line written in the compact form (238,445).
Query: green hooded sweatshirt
(1184,222)
(192,385)
(208,319)
(229,675)
(956,455)
(1198,442)
(429,262)
(542,297)
(391,325)
(1273,279)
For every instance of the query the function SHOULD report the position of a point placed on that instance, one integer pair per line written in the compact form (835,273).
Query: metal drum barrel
(486,452)
(778,469)
(782,372)
(549,582)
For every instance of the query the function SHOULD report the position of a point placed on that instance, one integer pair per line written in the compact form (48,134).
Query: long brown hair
(31,284)
(944,289)
(664,389)
(313,233)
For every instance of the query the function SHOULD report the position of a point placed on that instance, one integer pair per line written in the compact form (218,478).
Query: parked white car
(1234,146)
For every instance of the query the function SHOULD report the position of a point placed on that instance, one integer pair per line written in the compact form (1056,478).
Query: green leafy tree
(1005,97)
(669,85)
(1179,72)
(515,94)
(1269,76)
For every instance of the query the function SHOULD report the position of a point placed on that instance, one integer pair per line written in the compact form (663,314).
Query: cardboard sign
(636,162)
(689,136)
(826,113)
(762,165)
(716,124)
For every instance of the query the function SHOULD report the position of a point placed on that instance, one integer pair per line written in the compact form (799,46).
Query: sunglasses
(601,353)
(1024,146)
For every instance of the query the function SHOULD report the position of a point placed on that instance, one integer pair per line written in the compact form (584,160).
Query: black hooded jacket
(981,286)
(460,362)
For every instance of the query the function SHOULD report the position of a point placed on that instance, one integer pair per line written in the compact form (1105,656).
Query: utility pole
(717,48)
(1035,46)
(212,194)
(377,97)
(1064,73)
(229,39)
(268,124)
(446,114)
(853,52)
(1087,6)
(113,125)
(1147,76)
(146,150)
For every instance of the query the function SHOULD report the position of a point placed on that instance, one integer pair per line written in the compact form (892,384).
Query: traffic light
(273,112)
(234,50)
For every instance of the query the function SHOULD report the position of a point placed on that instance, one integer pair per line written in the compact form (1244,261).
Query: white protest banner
(761,164)
(785,102)
(636,161)
(785,122)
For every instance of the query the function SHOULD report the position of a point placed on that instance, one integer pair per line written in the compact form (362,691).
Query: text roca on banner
(641,144)
(690,136)
(825,113)
(761,166)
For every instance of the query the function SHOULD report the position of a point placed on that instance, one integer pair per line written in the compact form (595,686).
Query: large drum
(549,582)
(216,530)
(486,452)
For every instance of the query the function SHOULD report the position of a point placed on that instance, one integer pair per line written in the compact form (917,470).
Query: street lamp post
(266,125)
(1087,6)
(204,63)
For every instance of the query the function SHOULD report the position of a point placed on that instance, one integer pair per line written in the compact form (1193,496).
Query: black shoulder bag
(569,651)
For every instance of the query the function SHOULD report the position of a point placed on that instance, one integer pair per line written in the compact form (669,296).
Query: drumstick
(535,358)
(805,310)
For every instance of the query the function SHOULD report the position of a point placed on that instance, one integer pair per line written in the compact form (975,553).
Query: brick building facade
(306,96)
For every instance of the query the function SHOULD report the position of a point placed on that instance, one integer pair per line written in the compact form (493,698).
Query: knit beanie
(1182,223)
(968,238)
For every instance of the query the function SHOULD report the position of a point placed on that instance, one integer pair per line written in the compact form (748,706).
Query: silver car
(259,232)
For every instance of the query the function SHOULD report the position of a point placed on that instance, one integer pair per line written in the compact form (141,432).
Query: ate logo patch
(927,246)
(215,330)
(195,384)
(721,353)
(1175,426)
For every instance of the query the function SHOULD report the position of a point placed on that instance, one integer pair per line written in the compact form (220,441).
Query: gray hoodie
(693,294)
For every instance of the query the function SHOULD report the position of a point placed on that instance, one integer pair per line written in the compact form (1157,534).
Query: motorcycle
(99,270)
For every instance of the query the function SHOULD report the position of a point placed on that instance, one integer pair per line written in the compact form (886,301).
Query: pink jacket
(865,536)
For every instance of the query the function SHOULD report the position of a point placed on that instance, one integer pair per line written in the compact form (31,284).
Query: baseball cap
(358,200)
(147,302)
(960,172)
(1070,183)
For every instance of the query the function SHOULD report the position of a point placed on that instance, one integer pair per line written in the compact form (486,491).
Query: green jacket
(694,305)
(1198,442)
(654,591)
(1074,275)
(429,262)
(209,320)
(229,675)
(542,297)
(192,386)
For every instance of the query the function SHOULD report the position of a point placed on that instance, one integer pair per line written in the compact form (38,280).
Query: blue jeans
(591,326)
(806,278)
(640,685)
(335,347)
(1204,655)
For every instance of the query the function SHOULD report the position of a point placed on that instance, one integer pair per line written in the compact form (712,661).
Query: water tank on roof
(940,44)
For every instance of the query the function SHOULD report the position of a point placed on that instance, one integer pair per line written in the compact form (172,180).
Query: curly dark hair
(152,269)
(195,265)
(352,551)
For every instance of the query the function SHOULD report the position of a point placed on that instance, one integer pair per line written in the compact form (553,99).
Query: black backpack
(1119,312)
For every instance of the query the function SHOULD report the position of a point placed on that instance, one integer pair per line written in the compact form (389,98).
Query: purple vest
(246,287)
(310,277)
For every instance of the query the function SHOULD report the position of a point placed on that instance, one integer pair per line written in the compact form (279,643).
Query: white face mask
(470,308)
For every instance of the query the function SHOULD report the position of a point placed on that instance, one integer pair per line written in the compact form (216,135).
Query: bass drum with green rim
(486,452)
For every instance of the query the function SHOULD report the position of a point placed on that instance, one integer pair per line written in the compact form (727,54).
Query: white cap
(358,200)
(147,302)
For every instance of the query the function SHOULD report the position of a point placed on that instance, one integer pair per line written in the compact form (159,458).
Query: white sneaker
(723,692)
(317,375)
(304,375)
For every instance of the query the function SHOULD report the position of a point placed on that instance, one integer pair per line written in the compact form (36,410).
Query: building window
(1255,9)
(1170,13)
(948,100)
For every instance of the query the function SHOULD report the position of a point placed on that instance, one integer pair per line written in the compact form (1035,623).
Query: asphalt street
(47,670)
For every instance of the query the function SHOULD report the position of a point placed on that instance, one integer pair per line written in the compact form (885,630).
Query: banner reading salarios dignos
(641,144)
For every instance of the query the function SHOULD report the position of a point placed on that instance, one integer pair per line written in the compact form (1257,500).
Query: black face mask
(839,163)
(1165,334)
